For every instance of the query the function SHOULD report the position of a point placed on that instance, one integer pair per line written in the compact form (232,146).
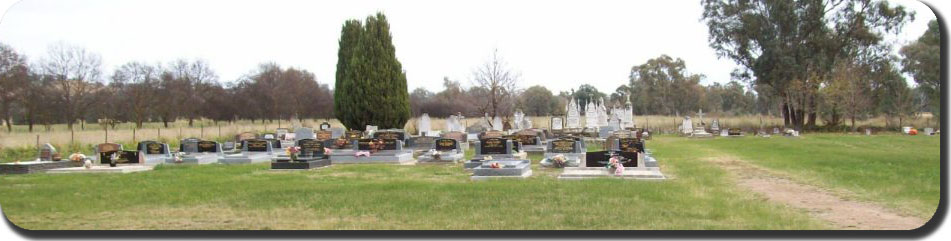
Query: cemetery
(788,141)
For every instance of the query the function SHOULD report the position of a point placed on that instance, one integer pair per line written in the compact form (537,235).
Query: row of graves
(503,156)
(599,122)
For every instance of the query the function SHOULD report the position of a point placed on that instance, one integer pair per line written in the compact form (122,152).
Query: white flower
(87,164)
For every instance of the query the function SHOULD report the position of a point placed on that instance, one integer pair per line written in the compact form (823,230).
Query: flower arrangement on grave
(558,161)
(376,145)
(178,157)
(113,158)
(87,164)
(292,151)
(487,158)
(77,157)
(495,165)
(340,143)
(435,154)
(614,165)
(327,151)
(361,153)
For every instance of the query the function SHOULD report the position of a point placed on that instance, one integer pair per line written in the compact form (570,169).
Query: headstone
(615,123)
(868,131)
(687,126)
(189,145)
(153,148)
(304,133)
(310,148)
(269,136)
(564,146)
(517,117)
(228,145)
(573,116)
(776,130)
(281,133)
(423,126)
(735,132)
(929,131)
(47,153)
(494,146)
(446,144)
(208,147)
(390,134)
(354,134)
(715,126)
(337,132)
(724,133)
(323,135)
(372,128)
(557,124)
(458,136)
(452,124)
(591,116)
(256,145)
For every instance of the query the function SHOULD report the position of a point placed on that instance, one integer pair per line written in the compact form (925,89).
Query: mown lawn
(699,194)
(902,172)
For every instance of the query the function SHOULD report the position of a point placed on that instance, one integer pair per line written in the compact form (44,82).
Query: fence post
(133,135)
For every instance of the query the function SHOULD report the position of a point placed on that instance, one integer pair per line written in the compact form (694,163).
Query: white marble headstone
(497,123)
(424,125)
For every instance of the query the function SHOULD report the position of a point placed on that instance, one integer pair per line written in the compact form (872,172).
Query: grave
(424,125)
(240,138)
(531,141)
(629,151)
(502,169)
(311,156)
(304,133)
(47,158)
(734,132)
(112,159)
(282,133)
(421,143)
(195,151)
(102,169)
(928,131)
(112,154)
(565,152)
(460,137)
(154,153)
(494,148)
(444,150)
(228,146)
(556,126)
(252,151)
(375,150)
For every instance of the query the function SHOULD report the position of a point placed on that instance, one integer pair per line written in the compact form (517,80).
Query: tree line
(68,86)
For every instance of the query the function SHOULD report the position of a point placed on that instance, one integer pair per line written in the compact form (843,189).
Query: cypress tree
(371,85)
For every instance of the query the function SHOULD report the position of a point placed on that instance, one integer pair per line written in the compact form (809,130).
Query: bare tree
(74,71)
(13,78)
(135,82)
(497,83)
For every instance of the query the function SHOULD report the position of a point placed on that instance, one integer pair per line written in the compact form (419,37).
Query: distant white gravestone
(573,115)
(423,126)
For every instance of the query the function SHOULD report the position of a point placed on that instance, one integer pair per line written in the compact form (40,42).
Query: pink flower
(327,151)
(361,153)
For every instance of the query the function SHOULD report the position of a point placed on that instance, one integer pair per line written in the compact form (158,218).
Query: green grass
(699,195)
(902,172)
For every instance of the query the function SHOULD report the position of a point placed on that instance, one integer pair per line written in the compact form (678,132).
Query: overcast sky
(557,44)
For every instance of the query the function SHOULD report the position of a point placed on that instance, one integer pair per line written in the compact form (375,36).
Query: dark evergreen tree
(371,85)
